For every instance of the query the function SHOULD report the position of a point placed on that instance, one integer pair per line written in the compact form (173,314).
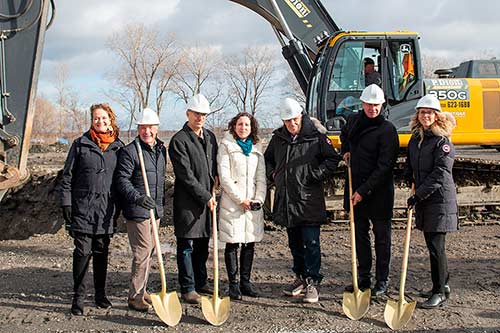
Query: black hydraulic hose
(37,18)
(19,14)
(53,14)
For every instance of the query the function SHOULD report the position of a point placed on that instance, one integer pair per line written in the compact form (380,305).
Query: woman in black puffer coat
(88,202)
(429,167)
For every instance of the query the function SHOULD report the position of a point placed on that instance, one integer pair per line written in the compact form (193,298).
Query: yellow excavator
(327,62)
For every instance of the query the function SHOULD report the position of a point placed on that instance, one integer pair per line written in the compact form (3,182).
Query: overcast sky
(456,29)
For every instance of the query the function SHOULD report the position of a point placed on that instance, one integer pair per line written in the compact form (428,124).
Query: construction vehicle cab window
(352,66)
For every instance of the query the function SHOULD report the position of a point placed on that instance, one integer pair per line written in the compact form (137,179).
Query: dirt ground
(36,281)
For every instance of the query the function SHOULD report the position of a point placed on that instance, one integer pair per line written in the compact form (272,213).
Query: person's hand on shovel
(146,202)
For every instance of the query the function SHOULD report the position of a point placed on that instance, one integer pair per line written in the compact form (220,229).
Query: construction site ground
(36,279)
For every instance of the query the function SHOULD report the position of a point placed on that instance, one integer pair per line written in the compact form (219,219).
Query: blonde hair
(443,126)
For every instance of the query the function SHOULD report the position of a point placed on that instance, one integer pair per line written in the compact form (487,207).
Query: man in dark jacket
(298,158)
(193,152)
(371,145)
(136,204)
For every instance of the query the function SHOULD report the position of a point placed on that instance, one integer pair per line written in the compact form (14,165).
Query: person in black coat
(299,158)
(193,152)
(429,166)
(137,205)
(88,202)
(371,145)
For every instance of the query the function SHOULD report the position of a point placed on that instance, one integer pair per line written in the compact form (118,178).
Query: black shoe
(362,285)
(434,301)
(77,307)
(428,293)
(234,291)
(248,290)
(103,302)
(206,289)
(379,289)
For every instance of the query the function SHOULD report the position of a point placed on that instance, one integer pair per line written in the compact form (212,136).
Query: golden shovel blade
(398,313)
(357,303)
(215,310)
(167,307)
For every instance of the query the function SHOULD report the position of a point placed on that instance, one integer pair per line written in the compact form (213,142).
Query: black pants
(192,255)
(90,246)
(382,233)
(436,243)
(246,260)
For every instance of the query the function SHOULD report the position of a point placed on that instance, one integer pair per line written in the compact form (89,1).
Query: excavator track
(477,179)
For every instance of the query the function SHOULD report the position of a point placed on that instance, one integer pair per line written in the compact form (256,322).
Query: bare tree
(431,62)
(199,71)
(45,123)
(294,89)
(248,77)
(72,118)
(148,62)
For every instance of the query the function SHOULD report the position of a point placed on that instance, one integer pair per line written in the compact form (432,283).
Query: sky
(455,29)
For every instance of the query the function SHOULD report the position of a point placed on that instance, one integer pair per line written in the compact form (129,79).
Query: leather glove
(67,219)
(146,202)
(412,201)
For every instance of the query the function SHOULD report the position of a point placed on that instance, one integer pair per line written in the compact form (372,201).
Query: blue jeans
(192,255)
(306,252)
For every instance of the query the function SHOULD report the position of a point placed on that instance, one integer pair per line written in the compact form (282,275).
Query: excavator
(327,62)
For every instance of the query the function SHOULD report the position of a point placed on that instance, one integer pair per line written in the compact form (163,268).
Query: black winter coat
(86,185)
(130,184)
(374,152)
(298,169)
(195,171)
(431,166)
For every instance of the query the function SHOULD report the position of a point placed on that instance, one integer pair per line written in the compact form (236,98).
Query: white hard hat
(429,101)
(372,94)
(290,109)
(148,117)
(198,103)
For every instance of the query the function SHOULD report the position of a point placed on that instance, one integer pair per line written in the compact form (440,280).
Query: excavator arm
(305,23)
(22,30)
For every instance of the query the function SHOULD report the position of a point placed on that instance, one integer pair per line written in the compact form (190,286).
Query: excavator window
(401,59)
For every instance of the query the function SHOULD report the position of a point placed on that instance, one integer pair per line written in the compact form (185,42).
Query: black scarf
(362,124)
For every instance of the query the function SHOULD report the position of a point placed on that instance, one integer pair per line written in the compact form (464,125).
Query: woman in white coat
(241,221)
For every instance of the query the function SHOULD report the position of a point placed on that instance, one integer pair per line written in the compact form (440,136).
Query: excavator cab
(339,77)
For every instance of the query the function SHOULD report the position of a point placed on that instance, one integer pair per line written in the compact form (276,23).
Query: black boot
(80,266)
(100,264)
(246,260)
(231,259)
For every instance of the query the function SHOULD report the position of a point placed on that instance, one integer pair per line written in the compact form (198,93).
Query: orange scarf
(103,140)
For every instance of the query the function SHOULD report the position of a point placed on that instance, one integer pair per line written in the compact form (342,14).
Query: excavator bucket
(22,31)
(305,18)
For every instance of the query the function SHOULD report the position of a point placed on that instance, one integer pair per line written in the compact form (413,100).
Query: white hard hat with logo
(429,101)
(290,109)
(198,103)
(372,94)
(148,117)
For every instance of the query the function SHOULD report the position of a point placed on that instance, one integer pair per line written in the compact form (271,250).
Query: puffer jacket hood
(443,126)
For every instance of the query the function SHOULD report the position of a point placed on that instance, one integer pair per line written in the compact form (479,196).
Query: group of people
(102,179)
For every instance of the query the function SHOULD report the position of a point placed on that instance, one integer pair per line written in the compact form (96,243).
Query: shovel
(166,305)
(355,304)
(398,313)
(215,310)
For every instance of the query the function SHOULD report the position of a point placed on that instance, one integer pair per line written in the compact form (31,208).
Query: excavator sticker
(298,8)
(453,94)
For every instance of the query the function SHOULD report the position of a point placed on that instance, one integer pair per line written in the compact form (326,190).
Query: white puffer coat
(241,177)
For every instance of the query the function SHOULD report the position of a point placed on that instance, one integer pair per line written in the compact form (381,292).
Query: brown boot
(191,297)
(147,298)
(138,304)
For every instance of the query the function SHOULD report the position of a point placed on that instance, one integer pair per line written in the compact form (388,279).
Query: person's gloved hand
(146,202)
(412,201)
(67,219)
